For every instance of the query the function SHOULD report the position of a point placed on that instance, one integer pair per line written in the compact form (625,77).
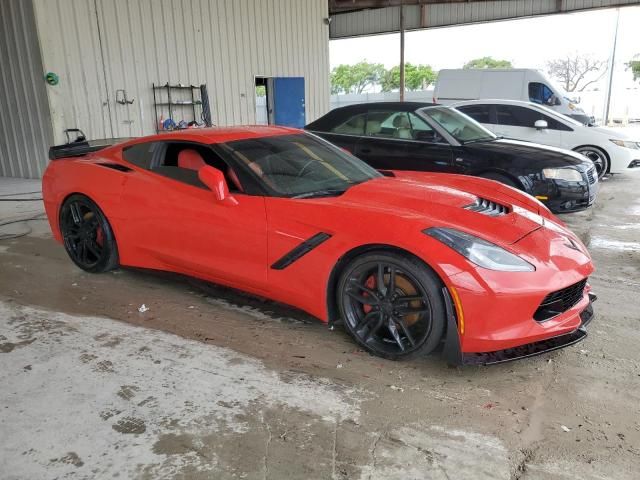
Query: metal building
(107,54)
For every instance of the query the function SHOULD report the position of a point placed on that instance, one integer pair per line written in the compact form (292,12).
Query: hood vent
(487,207)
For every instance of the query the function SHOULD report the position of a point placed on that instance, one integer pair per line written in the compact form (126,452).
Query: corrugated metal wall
(100,46)
(25,129)
(386,20)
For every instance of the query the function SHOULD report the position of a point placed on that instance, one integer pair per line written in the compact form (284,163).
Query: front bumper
(622,158)
(561,196)
(454,355)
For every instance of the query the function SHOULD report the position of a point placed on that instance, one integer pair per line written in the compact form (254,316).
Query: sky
(527,43)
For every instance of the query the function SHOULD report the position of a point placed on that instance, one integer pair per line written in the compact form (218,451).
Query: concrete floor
(209,383)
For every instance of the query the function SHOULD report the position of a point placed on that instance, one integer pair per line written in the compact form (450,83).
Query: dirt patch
(130,425)
(127,392)
(71,458)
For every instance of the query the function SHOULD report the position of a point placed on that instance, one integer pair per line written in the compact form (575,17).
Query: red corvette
(409,262)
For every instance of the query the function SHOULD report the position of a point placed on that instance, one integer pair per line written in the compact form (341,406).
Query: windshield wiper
(482,139)
(321,193)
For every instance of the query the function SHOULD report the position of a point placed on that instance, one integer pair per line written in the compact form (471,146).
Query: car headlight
(572,106)
(626,143)
(568,174)
(482,253)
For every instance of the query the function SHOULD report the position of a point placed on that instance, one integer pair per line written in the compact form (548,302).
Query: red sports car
(409,262)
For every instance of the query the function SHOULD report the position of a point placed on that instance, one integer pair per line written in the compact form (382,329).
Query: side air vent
(115,166)
(487,207)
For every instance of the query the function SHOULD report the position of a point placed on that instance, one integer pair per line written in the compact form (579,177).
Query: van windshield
(461,127)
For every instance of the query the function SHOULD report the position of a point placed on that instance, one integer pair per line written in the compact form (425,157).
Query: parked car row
(392,136)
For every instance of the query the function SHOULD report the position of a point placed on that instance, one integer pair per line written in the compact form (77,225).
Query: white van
(526,84)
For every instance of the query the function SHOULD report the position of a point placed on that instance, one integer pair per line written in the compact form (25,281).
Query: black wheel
(500,178)
(598,157)
(392,305)
(87,235)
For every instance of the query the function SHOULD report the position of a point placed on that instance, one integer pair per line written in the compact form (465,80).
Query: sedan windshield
(461,127)
(299,165)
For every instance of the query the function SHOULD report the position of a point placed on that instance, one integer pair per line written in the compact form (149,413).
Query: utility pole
(611,68)
(402,51)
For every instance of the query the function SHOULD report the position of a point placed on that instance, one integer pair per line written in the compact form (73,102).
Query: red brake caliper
(371,284)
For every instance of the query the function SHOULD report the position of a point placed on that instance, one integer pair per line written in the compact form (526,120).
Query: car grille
(487,207)
(591,175)
(560,301)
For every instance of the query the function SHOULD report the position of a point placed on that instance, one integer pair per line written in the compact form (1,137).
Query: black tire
(598,156)
(498,177)
(87,235)
(382,319)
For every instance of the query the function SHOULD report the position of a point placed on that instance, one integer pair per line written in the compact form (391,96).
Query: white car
(610,150)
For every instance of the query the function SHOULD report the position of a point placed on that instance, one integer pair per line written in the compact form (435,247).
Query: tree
(487,62)
(416,77)
(355,78)
(576,72)
(634,65)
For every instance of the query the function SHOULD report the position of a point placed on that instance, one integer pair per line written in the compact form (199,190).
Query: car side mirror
(541,124)
(214,179)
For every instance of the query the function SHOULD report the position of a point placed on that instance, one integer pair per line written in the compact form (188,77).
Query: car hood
(613,133)
(436,203)
(534,154)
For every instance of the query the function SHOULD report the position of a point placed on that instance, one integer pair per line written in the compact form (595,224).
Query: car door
(518,122)
(396,140)
(174,219)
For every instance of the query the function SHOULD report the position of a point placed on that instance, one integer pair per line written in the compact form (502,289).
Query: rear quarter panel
(103,185)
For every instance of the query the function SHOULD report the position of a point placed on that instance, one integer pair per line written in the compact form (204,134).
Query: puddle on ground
(618,245)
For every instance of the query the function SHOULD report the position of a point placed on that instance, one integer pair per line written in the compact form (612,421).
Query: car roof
(495,101)
(400,106)
(212,135)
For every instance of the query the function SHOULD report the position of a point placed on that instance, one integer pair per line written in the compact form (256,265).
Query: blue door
(288,101)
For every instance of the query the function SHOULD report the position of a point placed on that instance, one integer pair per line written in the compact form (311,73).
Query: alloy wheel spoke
(391,326)
(405,331)
(392,281)
(75,213)
(372,331)
(364,288)
(380,280)
(82,251)
(94,248)
(367,319)
(361,299)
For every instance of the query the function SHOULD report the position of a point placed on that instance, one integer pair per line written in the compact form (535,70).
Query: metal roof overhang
(354,18)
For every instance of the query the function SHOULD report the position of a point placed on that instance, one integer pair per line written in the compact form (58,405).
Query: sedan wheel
(87,235)
(598,157)
(392,305)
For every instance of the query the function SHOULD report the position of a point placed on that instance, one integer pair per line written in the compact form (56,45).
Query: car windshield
(299,165)
(461,127)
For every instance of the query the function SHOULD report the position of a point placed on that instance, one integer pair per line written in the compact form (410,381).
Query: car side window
(180,161)
(539,93)
(353,126)
(480,113)
(142,154)
(422,131)
(525,117)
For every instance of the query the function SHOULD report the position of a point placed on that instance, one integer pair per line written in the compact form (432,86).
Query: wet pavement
(211,383)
